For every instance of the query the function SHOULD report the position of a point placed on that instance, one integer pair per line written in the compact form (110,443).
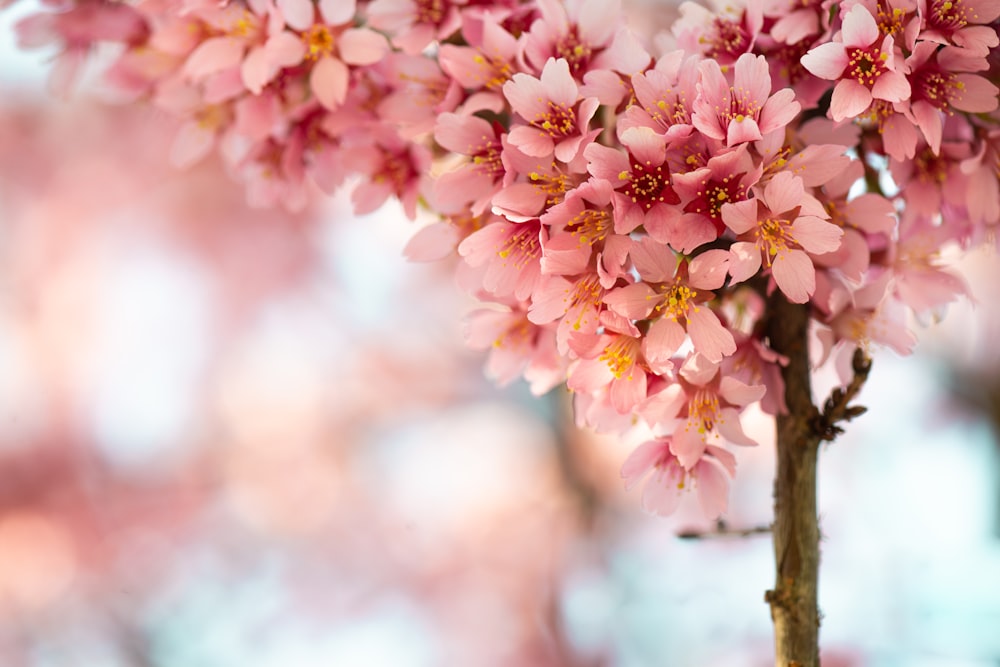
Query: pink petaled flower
(964,23)
(664,95)
(919,280)
(576,304)
(557,120)
(754,363)
(663,489)
(725,179)
(984,189)
(746,110)
(484,65)
(77,29)
(708,405)
(932,182)
(612,361)
(577,226)
(329,47)
(414,24)
(862,63)
(574,32)
(778,228)
(862,217)
(721,33)
(511,253)
(517,347)
(421,92)
(941,81)
(674,294)
(477,180)
(532,185)
(641,179)
(392,168)
(795,20)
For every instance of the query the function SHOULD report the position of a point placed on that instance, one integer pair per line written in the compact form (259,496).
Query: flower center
(648,185)
(865,66)
(576,53)
(620,355)
(557,122)
(677,301)
(703,410)
(522,247)
(590,226)
(773,237)
(319,42)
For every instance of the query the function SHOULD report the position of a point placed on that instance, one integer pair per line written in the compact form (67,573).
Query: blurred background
(242,438)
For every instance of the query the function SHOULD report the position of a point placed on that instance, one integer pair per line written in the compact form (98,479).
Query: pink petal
(337,12)
(632,301)
(891,87)
(664,337)
(328,80)
(708,335)
(641,461)
(192,143)
(783,192)
(744,261)
(297,13)
(214,55)
(432,243)
(795,275)
(827,61)
(815,235)
(849,99)
(361,46)
(662,494)
(558,83)
(740,216)
(713,489)
(860,28)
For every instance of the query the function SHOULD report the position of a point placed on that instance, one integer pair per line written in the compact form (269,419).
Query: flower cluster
(624,211)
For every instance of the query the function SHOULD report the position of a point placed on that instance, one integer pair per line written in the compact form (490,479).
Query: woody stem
(793,601)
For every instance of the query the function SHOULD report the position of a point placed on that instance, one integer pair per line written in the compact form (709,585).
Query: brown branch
(722,530)
(837,408)
(793,601)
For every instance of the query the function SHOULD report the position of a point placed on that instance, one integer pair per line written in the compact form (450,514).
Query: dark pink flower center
(866,65)
(726,41)
(712,194)
(949,15)
(576,52)
(431,11)
(648,185)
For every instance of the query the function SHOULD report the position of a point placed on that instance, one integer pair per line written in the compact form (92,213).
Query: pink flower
(668,480)
(486,65)
(746,110)
(778,228)
(708,405)
(556,123)
(641,179)
(941,81)
(862,63)
(476,180)
(664,96)
(574,32)
(330,46)
(511,253)
(721,33)
(517,347)
(862,217)
(964,23)
(725,179)
(614,361)
(414,24)
(673,295)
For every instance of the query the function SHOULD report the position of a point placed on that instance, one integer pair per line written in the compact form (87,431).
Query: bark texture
(793,601)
